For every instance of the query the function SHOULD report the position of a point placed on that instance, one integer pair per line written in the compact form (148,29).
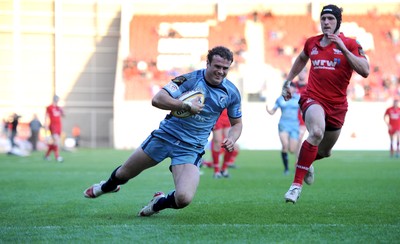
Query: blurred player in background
(301,85)
(13,125)
(183,139)
(333,57)
(392,119)
(35,125)
(220,131)
(288,125)
(76,133)
(53,124)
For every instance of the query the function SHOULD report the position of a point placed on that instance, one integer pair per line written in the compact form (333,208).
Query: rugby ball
(190,96)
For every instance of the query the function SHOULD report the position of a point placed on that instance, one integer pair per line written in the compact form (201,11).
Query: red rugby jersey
(54,113)
(394,117)
(330,71)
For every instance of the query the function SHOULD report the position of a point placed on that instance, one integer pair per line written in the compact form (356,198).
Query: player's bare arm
(164,101)
(297,67)
(234,133)
(359,64)
(387,120)
(46,123)
(270,111)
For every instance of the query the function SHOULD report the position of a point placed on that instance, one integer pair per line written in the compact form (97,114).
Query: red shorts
(55,129)
(393,130)
(334,113)
(223,121)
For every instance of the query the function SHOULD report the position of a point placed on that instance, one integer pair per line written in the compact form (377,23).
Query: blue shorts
(292,130)
(160,148)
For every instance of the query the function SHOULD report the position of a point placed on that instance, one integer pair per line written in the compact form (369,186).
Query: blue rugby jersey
(289,110)
(195,129)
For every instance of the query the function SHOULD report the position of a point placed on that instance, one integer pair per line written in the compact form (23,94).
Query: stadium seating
(284,38)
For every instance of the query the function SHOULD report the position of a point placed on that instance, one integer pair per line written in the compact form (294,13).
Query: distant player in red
(54,125)
(333,58)
(220,131)
(392,119)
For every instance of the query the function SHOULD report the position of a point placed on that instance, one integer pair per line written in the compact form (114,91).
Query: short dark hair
(221,51)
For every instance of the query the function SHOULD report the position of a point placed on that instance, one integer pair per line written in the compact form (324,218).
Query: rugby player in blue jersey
(288,126)
(182,139)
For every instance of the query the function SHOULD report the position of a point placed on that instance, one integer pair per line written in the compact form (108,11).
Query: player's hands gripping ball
(194,103)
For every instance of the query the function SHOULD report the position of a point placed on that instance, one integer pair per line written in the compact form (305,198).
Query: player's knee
(183,199)
(292,149)
(317,134)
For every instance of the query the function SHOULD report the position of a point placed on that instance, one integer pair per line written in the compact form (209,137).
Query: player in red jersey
(392,119)
(333,58)
(53,124)
(220,131)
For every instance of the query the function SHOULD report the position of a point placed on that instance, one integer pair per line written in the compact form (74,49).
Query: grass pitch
(354,199)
